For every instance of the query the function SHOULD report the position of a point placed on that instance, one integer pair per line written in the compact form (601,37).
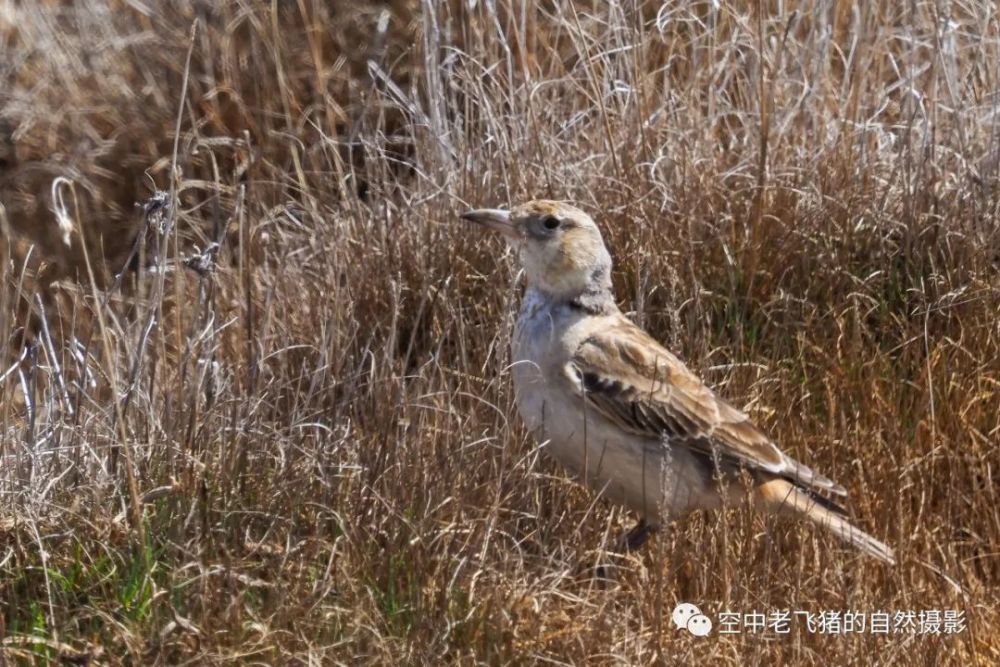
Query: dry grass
(304,452)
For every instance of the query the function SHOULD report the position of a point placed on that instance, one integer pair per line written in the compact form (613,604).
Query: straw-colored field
(265,416)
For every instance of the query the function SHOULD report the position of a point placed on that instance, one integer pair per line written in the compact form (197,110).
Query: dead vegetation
(265,416)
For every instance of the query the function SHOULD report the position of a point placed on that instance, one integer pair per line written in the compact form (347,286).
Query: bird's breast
(533,348)
(545,338)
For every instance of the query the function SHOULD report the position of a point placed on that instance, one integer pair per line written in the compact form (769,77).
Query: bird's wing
(630,379)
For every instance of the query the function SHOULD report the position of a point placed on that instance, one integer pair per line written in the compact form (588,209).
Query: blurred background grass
(254,401)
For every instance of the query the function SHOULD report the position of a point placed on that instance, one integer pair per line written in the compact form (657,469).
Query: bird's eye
(551,222)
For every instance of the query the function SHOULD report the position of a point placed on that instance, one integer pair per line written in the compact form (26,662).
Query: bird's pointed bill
(494,219)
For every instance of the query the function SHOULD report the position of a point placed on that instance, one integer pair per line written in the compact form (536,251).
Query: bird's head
(559,246)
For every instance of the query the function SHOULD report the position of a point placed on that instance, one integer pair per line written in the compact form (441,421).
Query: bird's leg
(635,538)
(630,541)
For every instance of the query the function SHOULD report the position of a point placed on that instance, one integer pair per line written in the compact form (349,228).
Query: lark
(623,414)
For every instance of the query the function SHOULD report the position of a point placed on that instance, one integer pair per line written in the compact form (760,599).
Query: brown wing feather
(628,377)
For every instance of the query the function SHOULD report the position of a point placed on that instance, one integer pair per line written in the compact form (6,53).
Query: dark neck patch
(595,302)
(596,299)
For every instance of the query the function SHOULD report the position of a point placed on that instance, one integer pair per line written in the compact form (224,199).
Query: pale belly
(644,474)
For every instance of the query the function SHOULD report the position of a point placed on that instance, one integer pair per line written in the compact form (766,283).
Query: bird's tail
(783,497)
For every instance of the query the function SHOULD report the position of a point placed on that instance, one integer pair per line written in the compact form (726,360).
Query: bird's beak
(494,219)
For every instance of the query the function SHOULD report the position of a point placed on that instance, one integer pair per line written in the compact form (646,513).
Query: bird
(622,413)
